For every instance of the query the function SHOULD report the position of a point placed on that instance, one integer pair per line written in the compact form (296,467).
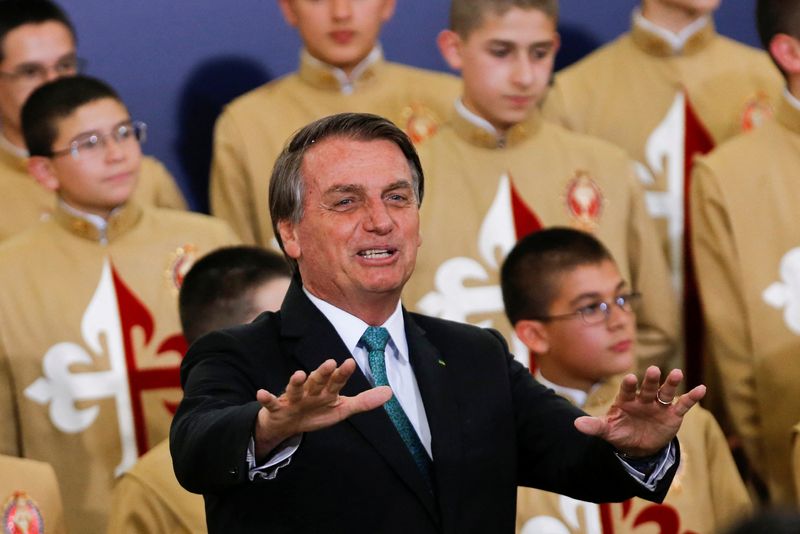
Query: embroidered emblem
(115,326)
(419,122)
(179,263)
(584,200)
(785,295)
(756,111)
(21,515)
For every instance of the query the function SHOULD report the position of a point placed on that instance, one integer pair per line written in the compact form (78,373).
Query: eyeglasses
(597,312)
(93,144)
(37,73)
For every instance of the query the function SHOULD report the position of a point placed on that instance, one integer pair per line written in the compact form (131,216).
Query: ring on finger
(661,401)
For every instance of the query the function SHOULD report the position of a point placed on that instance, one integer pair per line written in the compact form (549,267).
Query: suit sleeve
(553,455)
(719,282)
(657,320)
(214,422)
(231,196)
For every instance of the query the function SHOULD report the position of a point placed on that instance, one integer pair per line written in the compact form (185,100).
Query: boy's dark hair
(530,272)
(777,16)
(468,15)
(216,292)
(16,13)
(54,101)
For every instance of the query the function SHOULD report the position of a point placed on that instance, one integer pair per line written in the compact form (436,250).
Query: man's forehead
(346,160)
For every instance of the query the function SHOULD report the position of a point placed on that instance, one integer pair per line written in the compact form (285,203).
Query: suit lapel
(312,339)
(441,409)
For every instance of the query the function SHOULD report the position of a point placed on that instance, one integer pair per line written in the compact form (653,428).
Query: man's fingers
(340,377)
(319,377)
(294,389)
(687,400)
(627,390)
(667,391)
(368,400)
(650,384)
(267,400)
(591,426)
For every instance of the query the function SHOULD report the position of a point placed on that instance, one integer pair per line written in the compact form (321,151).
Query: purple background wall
(177,62)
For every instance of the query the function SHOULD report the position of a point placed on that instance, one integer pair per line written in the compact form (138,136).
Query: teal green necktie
(375,339)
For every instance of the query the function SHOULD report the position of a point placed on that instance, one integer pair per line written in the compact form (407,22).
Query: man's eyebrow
(345,188)
(399,184)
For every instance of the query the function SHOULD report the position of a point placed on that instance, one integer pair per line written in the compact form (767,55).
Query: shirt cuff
(281,458)
(657,467)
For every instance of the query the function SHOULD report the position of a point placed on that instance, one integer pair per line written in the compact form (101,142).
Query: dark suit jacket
(492,426)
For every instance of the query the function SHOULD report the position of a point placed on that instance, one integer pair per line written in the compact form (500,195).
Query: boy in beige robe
(90,341)
(570,306)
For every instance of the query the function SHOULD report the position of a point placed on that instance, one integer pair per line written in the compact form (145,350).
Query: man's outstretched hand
(641,423)
(310,403)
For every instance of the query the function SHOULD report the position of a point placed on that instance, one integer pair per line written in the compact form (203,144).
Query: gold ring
(660,400)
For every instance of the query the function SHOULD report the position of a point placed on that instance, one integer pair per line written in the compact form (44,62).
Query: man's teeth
(375,253)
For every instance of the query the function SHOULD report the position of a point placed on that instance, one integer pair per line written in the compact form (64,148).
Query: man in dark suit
(463,423)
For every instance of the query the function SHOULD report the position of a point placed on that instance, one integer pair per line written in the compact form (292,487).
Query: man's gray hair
(286,188)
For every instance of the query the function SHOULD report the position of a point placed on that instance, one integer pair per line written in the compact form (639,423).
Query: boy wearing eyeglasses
(90,339)
(572,308)
(37,45)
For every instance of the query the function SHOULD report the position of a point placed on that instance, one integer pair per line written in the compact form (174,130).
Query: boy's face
(32,55)
(575,354)
(339,32)
(101,178)
(506,64)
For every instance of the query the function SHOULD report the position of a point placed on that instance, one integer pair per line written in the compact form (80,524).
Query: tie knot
(375,338)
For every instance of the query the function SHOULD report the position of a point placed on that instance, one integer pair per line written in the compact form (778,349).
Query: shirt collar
(350,328)
(660,41)
(324,76)
(93,227)
(478,131)
(576,396)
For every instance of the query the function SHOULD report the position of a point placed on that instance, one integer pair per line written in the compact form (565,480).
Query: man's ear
(288,12)
(41,168)
(785,50)
(533,334)
(288,233)
(450,44)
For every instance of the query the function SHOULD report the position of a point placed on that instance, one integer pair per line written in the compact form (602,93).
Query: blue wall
(177,62)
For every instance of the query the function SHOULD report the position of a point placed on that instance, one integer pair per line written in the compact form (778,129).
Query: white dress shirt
(398,371)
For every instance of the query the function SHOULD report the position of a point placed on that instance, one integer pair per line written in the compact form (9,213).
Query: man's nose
(377,217)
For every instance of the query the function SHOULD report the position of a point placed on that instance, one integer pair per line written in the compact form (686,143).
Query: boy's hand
(642,423)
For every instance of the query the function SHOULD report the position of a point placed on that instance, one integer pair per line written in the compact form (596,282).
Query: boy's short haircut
(54,101)
(530,272)
(16,13)
(217,290)
(468,15)
(777,16)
